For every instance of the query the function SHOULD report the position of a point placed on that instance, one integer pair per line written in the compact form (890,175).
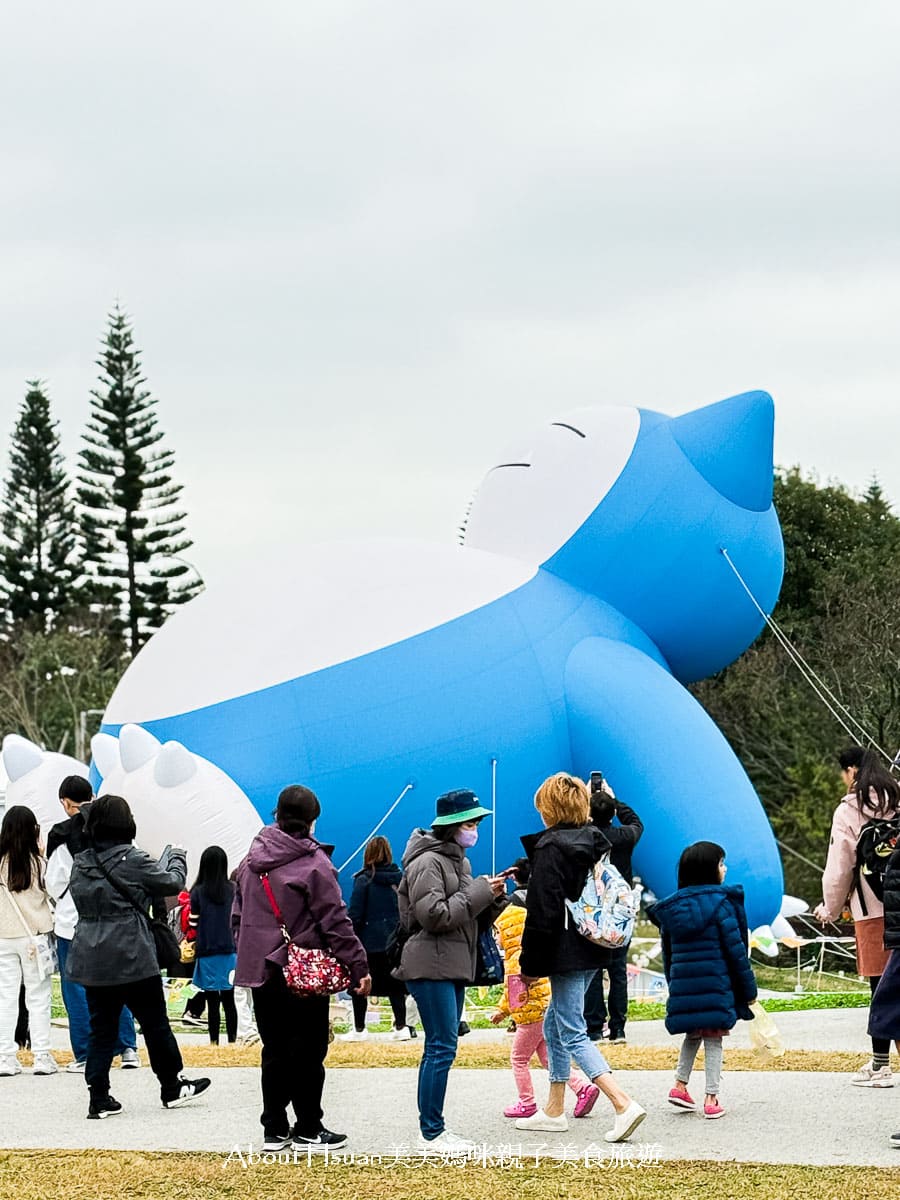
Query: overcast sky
(362,242)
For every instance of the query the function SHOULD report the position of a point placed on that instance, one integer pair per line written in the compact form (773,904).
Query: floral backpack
(605,911)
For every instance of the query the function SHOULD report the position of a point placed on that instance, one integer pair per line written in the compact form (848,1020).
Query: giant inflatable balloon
(592,586)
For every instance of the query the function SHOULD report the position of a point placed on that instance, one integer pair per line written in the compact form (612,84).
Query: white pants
(244,1006)
(16,966)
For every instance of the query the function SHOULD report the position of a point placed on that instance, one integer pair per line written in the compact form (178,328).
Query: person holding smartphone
(622,837)
(440,902)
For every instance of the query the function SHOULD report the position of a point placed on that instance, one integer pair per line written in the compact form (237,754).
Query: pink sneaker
(520,1109)
(681,1098)
(711,1111)
(586,1099)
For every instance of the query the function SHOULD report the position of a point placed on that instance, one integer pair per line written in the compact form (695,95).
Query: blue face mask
(467,838)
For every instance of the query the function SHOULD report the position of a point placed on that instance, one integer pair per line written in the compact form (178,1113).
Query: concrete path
(813,1118)
(786,1118)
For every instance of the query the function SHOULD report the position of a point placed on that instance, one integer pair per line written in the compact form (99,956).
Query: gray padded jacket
(440,903)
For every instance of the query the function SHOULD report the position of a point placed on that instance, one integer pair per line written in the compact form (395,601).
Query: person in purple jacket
(293,1029)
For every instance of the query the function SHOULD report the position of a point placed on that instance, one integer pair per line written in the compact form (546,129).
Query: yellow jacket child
(509,926)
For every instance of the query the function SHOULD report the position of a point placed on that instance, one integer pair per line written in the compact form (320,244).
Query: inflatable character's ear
(20,756)
(730,444)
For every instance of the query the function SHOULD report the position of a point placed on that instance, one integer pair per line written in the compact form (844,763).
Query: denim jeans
(74,999)
(565,1030)
(440,1004)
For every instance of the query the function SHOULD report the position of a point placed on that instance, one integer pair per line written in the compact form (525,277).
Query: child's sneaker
(867,1076)
(520,1109)
(586,1099)
(711,1111)
(681,1098)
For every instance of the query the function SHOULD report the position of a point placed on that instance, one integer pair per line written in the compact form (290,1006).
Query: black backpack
(877,841)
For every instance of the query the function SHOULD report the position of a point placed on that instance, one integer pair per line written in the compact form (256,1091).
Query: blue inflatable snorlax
(591,587)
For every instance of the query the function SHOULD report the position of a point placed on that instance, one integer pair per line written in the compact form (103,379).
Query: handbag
(41,946)
(168,951)
(488,960)
(393,951)
(307,972)
(188,951)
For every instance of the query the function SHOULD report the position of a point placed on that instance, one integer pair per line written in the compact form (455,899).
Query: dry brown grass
(106,1175)
(488,1055)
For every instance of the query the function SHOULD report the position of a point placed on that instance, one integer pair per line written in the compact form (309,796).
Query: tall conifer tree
(132,526)
(38,548)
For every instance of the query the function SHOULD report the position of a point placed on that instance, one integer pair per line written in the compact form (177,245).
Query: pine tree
(132,527)
(38,553)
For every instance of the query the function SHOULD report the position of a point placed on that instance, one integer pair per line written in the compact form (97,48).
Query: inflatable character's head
(637,507)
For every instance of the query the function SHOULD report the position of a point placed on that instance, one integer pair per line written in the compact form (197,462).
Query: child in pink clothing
(529,1015)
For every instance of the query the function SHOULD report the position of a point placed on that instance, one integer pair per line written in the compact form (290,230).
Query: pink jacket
(838,880)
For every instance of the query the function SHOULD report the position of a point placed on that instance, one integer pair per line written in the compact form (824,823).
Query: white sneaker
(76,1068)
(541,1123)
(249,1039)
(44,1065)
(10,1066)
(447,1143)
(130,1060)
(867,1076)
(625,1123)
(401,1035)
(355,1035)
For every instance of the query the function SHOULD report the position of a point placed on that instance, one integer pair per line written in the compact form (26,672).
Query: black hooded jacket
(561,858)
(374,908)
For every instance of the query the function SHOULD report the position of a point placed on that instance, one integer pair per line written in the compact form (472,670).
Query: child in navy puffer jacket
(707,965)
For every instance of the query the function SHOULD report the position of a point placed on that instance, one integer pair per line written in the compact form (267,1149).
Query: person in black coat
(374,911)
(622,838)
(707,965)
(884,1013)
(561,859)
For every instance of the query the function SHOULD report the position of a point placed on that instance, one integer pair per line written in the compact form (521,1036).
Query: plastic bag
(764,1036)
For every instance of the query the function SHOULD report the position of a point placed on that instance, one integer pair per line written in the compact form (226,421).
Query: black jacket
(113,943)
(70,833)
(892,902)
(561,858)
(623,838)
(374,907)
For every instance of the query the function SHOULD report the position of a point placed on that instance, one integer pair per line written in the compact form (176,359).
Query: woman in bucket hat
(440,902)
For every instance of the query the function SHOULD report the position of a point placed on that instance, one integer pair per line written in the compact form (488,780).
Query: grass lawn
(106,1175)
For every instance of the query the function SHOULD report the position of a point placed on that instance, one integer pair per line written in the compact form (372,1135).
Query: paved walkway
(800,1117)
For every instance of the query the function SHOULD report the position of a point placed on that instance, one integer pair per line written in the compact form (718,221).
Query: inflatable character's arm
(627,712)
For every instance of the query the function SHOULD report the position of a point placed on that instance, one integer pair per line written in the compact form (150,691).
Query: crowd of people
(418,932)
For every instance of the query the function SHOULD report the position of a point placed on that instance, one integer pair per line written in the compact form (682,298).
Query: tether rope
(371,833)
(818,685)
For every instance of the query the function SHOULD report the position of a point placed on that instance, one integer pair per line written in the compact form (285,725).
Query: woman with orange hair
(561,858)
